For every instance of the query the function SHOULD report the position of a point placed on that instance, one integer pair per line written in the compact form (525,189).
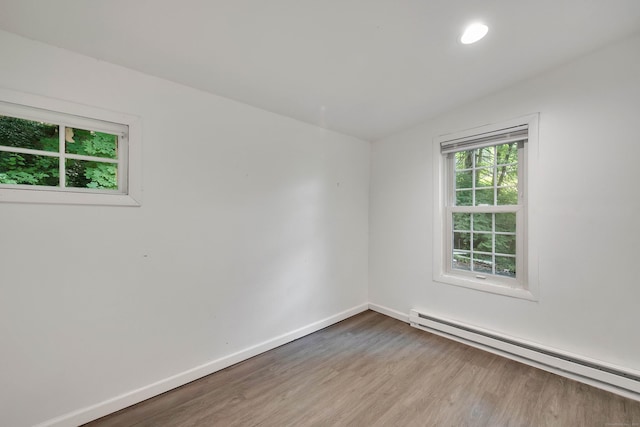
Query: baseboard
(122,401)
(389,312)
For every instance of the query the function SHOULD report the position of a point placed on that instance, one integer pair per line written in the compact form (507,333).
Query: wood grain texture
(372,370)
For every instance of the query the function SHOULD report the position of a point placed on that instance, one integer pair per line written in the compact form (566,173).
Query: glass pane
(28,169)
(464,197)
(483,222)
(507,153)
(507,176)
(484,197)
(461,260)
(482,263)
(484,157)
(85,174)
(90,143)
(464,179)
(484,177)
(483,242)
(506,222)
(464,160)
(506,266)
(462,241)
(31,134)
(461,221)
(508,196)
(506,244)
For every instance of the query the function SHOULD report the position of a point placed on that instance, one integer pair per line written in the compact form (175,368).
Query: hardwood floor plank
(372,370)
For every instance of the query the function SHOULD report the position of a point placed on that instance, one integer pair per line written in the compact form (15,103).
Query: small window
(52,156)
(483,221)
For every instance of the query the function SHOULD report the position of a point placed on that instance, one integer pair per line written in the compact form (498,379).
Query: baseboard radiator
(609,377)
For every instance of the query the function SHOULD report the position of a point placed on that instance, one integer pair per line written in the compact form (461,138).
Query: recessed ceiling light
(473,33)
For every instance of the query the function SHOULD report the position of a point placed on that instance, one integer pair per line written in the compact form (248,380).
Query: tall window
(484,211)
(44,152)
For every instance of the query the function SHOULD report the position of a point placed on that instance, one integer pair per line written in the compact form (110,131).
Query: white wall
(586,216)
(252,226)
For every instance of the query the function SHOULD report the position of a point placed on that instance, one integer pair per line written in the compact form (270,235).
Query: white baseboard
(389,312)
(117,403)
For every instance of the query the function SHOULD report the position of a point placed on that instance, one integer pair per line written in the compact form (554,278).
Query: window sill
(489,287)
(66,198)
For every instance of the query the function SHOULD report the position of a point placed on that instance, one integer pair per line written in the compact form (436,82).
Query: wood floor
(371,370)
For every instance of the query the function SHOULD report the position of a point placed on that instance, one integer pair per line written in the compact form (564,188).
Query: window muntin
(52,151)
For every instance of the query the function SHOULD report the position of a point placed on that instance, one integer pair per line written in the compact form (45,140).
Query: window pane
(484,177)
(507,153)
(482,263)
(483,242)
(483,222)
(508,196)
(464,179)
(508,176)
(85,174)
(484,180)
(484,197)
(462,241)
(90,143)
(461,221)
(506,244)
(30,134)
(28,169)
(464,160)
(506,266)
(464,198)
(461,260)
(506,222)
(484,157)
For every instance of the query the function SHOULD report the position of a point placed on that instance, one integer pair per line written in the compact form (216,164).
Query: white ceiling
(367,68)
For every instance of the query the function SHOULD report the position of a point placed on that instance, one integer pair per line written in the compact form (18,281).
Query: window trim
(72,114)
(526,287)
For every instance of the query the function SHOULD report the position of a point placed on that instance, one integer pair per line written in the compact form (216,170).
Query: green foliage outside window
(486,176)
(494,167)
(32,169)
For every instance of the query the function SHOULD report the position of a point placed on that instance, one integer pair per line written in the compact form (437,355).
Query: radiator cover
(596,373)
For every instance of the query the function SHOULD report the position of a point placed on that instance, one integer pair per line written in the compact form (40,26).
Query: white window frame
(525,286)
(127,127)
